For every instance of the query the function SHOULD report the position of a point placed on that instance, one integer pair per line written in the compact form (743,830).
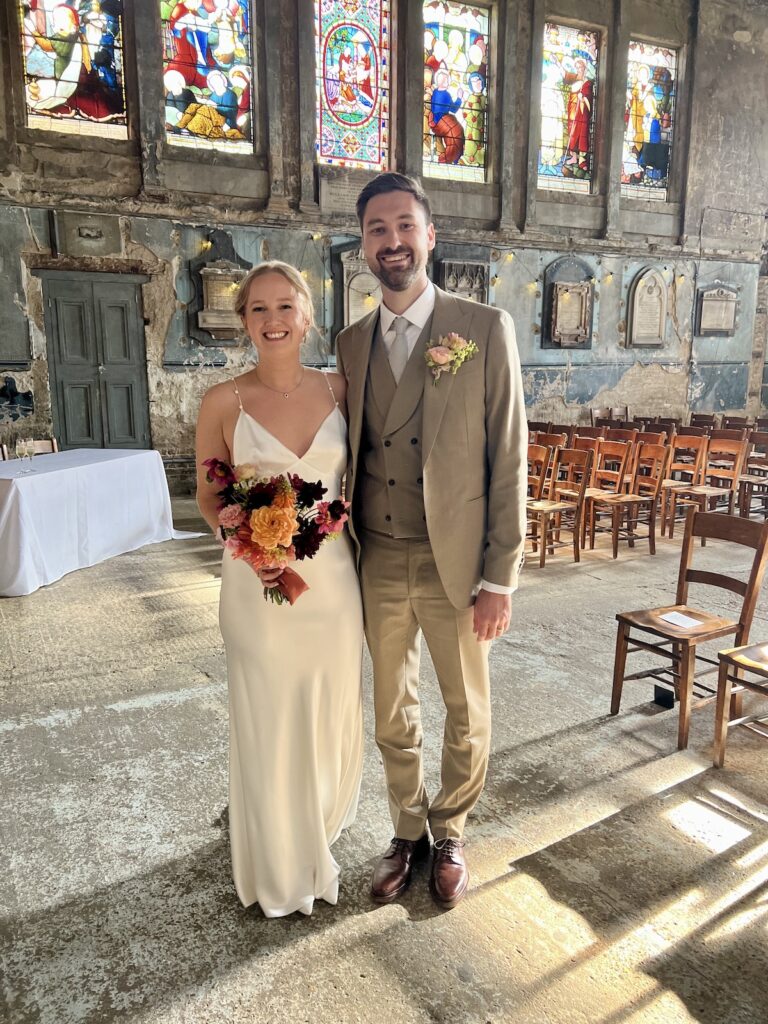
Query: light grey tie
(398,350)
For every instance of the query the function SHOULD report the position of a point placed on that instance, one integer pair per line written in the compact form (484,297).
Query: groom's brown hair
(391,181)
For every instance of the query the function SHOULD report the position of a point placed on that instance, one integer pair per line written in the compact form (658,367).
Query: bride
(293,671)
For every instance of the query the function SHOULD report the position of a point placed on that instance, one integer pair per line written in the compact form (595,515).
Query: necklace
(279,391)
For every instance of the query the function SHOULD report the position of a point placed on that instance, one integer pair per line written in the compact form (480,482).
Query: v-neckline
(299,458)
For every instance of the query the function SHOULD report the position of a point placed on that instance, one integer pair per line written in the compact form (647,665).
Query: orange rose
(285,499)
(273,527)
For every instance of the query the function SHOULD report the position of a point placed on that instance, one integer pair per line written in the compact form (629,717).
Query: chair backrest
(611,465)
(535,426)
(758,439)
(703,419)
(715,526)
(693,431)
(608,422)
(608,412)
(45,446)
(551,440)
(581,431)
(574,474)
(688,455)
(735,422)
(538,460)
(761,423)
(562,428)
(651,437)
(728,435)
(650,469)
(619,434)
(669,421)
(725,450)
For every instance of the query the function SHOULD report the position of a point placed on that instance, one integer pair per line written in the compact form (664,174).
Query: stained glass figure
(649,120)
(456,63)
(352,79)
(568,96)
(207,73)
(73,66)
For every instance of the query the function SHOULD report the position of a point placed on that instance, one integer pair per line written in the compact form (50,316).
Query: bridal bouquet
(272,521)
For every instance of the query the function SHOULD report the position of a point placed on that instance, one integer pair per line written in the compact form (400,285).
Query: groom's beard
(396,278)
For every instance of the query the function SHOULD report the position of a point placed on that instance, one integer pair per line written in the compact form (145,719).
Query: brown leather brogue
(450,876)
(393,872)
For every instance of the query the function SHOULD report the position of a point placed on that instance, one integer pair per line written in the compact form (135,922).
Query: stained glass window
(456,64)
(352,68)
(649,119)
(207,73)
(73,66)
(568,96)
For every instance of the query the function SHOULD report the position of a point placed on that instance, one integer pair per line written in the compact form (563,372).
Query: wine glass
(30,453)
(22,450)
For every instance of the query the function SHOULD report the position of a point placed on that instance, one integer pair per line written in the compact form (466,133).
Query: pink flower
(456,342)
(330,516)
(440,354)
(231,516)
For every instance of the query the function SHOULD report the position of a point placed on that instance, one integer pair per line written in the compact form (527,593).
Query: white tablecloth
(78,508)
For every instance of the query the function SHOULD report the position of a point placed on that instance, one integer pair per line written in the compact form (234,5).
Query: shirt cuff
(496,588)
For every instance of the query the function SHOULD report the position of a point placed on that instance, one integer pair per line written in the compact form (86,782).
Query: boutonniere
(448,355)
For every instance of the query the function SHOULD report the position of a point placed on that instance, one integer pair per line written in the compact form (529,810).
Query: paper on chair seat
(678,619)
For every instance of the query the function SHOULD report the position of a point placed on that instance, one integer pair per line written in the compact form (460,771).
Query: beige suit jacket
(474,445)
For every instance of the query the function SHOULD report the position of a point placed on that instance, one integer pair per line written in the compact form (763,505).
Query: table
(78,508)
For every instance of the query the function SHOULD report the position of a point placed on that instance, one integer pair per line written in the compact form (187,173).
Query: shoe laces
(449,845)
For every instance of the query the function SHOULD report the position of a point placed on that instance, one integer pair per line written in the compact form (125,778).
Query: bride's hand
(269,577)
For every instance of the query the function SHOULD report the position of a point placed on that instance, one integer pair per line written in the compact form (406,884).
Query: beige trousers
(402,598)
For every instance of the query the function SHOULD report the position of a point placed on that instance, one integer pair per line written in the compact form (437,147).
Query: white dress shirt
(417,315)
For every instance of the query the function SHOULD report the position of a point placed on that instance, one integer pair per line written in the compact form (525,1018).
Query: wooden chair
(693,431)
(607,477)
(761,423)
(731,683)
(673,422)
(737,434)
(679,637)
(581,431)
(534,426)
(571,474)
(641,504)
(703,419)
(619,434)
(736,423)
(562,428)
(550,440)
(753,483)
(651,437)
(46,446)
(725,461)
(607,422)
(687,462)
(615,412)
(539,456)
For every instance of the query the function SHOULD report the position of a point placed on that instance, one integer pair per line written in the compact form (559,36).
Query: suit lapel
(448,318)
(357,374)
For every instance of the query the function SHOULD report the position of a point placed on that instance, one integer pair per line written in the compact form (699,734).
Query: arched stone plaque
(648,309)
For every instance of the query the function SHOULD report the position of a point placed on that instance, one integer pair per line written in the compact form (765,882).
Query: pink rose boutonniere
(448,355)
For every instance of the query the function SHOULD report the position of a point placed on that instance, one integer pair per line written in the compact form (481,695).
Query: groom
(438,480)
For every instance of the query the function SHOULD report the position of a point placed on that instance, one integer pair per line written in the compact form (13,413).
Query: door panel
(97,361)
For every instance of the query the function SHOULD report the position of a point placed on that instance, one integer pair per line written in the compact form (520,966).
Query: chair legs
(684,693)
(721,715)
(619,666)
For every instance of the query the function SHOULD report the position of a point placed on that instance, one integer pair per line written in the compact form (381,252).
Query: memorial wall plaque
(648,309)
(469,280)
(717,311)
(571,312)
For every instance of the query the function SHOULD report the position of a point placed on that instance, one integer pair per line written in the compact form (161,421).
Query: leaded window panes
(649,118)
(456,67)
(207,74)
(568,96)
(352,61)
(73,66)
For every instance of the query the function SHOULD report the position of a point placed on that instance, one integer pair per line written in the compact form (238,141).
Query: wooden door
(97,361)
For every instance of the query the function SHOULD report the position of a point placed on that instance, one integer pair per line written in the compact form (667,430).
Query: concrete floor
(614,879)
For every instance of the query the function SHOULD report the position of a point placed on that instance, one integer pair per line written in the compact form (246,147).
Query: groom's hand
(492,614)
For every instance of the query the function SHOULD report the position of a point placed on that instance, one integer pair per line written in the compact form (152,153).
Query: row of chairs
(616,484)
(43,446)
(619,418)
(676,632)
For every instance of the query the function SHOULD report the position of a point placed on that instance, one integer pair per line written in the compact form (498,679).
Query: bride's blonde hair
(292,276)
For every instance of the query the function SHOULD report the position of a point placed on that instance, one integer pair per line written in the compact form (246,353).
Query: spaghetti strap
(333,393)
(239,399)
